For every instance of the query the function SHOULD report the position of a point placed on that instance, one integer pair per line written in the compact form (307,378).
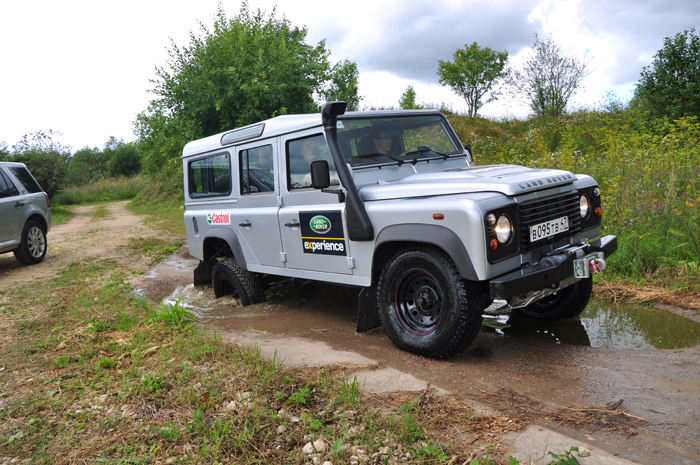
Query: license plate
(548,228)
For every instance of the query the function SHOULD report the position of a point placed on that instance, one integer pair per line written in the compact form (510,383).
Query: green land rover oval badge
(320,224)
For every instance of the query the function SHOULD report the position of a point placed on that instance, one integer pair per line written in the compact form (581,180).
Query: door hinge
(279,201)
(349,262)
(283,257)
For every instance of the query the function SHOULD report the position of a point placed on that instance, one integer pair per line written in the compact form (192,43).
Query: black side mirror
(320,174)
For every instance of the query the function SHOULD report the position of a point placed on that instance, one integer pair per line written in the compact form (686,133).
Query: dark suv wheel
(424,304)
(32,248)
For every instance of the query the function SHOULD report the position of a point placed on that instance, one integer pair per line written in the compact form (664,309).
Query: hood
(506,179)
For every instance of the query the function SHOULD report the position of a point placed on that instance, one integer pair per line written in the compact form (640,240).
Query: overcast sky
(82,68)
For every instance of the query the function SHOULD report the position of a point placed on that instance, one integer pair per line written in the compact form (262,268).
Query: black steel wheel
(32,248)
(570,302)
(228,278)
(425,306)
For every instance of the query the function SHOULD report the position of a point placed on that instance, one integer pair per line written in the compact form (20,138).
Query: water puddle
(297,307)
(605,326)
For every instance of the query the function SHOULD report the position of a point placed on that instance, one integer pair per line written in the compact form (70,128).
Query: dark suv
(25,214)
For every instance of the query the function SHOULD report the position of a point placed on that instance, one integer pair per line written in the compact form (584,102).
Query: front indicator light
(493,245)
(598,211)
(503,229)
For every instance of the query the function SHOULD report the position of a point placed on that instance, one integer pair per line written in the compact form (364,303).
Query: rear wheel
(424,304)
(32,248)
(570,302)
(228,278)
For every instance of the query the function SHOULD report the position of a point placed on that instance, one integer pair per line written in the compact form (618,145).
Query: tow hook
(598,265)
(593,263)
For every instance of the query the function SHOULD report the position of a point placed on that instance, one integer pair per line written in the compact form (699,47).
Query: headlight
(584,206)
(503,229)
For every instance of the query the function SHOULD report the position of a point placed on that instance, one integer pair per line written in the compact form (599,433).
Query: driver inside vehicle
(382,138)
(302,153)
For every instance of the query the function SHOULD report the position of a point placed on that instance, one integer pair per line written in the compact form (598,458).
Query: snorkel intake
(359,225)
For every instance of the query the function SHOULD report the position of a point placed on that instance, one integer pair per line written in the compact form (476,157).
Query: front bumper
(551,271)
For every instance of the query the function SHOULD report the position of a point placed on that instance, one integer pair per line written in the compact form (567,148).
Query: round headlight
(503,229)
(584,205)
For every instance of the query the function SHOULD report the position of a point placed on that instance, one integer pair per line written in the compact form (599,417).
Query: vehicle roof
(285,124)
(11,163)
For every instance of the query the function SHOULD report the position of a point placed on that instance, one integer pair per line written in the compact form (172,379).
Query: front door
(312,222)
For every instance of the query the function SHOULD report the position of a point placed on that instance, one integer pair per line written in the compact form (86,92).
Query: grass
(105,190)
(91,374)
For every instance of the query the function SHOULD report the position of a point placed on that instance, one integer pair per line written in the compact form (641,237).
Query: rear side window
(26,179)
(7,189)
(210,176)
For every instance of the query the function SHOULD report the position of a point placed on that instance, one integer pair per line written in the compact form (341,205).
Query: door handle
(292,224)
(246,224)
(19,204)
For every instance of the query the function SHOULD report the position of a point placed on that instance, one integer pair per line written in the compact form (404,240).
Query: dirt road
(661,386)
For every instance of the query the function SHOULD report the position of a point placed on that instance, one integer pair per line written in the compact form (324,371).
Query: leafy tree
(670,86)
(343,85)
(548,79)
(408,99)
(243,70)
(87,165)
(125,160)
(46,159)
(4,151)
(473,74)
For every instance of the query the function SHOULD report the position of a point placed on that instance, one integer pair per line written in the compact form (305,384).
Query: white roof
(273,127)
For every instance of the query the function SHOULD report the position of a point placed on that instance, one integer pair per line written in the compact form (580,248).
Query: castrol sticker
(219,218)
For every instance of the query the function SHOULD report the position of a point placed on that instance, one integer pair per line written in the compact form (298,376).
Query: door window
(300,154)
(257,170)
(7,189)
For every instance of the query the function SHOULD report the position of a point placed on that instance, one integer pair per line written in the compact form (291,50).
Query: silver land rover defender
(392,203)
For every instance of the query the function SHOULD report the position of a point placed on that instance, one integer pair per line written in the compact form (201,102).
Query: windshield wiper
(425,149)
(377,154)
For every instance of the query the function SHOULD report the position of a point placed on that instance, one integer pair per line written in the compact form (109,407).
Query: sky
(84,68)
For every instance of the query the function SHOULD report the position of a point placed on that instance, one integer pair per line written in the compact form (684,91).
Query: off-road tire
(570,302)
(32,247)
(228,278)
(425,306)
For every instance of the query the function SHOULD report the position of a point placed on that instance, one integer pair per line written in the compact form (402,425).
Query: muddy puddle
(295,308)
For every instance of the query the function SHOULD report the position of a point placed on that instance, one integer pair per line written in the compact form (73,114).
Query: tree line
(55,167)
(549,77)
(253,66)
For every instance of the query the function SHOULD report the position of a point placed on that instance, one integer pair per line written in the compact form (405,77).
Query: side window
(300,154)
(7,189)
(26,179)
(210,176)
(257,170)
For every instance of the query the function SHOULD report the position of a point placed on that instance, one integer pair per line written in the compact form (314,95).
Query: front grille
(540,210)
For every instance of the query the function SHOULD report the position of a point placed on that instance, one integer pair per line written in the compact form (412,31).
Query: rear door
(258,202)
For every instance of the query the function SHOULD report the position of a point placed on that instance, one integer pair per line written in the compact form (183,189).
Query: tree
(343,85)
(87,165)
(548,79)
(473,73)
(408,99)
(670,86)
(46,159)
(125,160)
(243,70)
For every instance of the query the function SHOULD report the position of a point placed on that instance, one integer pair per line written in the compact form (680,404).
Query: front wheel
(228,278)
(424,304)
(570,302)
(32,247)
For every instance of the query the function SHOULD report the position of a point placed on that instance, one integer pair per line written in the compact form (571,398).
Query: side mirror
(320,174)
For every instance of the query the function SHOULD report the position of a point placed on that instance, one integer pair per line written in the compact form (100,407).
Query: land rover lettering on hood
(392,203)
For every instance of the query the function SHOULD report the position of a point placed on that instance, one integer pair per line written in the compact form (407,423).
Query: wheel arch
(395,236)
(221,242)
(39,219)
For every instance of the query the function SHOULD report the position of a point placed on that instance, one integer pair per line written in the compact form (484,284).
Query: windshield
(402,139)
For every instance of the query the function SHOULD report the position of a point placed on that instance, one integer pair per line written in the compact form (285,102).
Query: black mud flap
(367,311)
(202,274)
